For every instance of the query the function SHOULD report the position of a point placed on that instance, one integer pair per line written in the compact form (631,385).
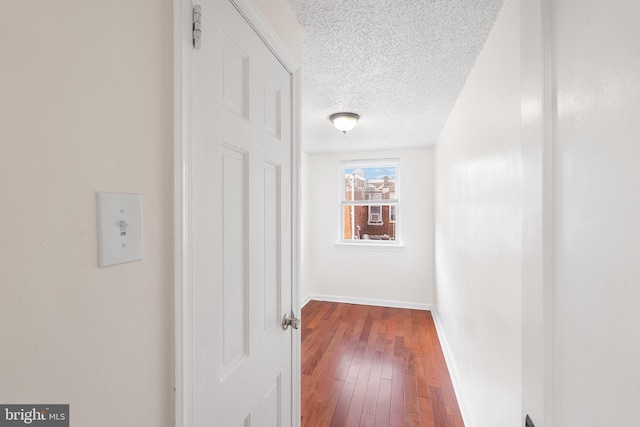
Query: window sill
(373,246)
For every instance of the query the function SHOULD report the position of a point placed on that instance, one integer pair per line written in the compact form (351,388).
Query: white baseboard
(465,410)
(305,301)
(366,301)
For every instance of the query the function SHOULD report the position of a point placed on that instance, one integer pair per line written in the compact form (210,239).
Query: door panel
(272,244)
(272,108)
(235,333)
(242,231)
(235,78)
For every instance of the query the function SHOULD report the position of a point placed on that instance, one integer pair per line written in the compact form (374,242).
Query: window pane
(369,183)
(368,223)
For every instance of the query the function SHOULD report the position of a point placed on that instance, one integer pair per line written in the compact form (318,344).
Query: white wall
(581,272)
(391,275)
(86,106)
(596,213)
(478,255)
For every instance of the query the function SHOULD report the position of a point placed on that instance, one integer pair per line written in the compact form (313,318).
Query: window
(375,215)
(369,201)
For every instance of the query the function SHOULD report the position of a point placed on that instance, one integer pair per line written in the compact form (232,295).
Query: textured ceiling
(399,64)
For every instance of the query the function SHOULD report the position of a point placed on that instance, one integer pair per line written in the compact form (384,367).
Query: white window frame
(369,163)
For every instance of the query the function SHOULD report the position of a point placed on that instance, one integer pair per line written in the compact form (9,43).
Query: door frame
(183,232)
(538,140)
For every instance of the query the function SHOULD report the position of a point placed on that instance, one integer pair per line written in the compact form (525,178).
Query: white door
(242,154)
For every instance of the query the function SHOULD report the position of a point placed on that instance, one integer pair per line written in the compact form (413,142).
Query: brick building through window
(370,202)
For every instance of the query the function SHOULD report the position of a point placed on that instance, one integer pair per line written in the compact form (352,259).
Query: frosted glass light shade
(344,122)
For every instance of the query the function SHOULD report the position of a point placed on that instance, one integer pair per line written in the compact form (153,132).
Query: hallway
(373,366)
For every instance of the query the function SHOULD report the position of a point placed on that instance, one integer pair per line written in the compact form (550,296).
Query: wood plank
(387,364)
(440,416)
(328,408)
(339,418)
(450,400)
(373,385)
(396,417)
(367,421)
(317,317)
(426,412)
(410,394)
(398,346)
(323,378)
(421,378)
(338,312)
(411,419)
(373,366)
(356,408)
(456,421)
(366,330)
(383,409)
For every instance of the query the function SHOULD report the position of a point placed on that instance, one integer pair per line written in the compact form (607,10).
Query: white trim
(371,202)
(539,114)
(265,31)
(549,110)
(183,340)
(369,301)
(465,410)
(371,245)
(369,162)
(296,236)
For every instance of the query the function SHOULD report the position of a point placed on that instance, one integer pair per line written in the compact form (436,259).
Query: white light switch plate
(119,228)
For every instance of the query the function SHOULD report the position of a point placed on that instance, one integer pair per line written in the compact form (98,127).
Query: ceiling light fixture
(344,122)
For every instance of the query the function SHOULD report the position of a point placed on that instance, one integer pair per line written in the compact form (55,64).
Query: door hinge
(197,26)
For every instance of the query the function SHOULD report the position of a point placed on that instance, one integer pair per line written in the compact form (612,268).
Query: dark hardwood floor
(373,366)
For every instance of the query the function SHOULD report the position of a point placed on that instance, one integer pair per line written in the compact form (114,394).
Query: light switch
(119,228)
